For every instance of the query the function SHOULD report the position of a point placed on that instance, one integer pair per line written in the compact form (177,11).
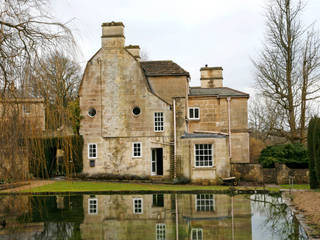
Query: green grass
(84,186)
(296,186)
(88,186)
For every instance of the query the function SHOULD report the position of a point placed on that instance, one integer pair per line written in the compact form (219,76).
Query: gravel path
(29,185)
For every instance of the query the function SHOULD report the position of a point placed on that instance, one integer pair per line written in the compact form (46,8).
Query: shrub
(314,152)
(293,155)
(181,180)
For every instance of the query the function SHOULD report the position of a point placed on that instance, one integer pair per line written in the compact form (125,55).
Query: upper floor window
(160,231)
(158,121)
(93,206)
(196,234)
(26,108)
(137,205)
(136,149)
(203,155)
(92,150)
(205,202)
(194,113)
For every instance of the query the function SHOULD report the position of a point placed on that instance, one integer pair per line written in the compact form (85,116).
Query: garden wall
(254,172)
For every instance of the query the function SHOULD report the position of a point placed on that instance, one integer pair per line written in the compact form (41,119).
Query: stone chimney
(211,77)
(134,50)
(112,35)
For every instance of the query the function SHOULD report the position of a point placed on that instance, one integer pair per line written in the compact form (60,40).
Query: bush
(111,176)
(181,180)
(293,155)
(314,152)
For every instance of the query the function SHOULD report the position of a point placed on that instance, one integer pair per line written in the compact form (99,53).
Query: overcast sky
(192,33)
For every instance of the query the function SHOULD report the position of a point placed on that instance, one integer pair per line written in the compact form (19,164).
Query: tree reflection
(279,219)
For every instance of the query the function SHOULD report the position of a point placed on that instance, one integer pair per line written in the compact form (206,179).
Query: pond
(147,216)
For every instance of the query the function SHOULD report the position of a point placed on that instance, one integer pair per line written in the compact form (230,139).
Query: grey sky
(191,33)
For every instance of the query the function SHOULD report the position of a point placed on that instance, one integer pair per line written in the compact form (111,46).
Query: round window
(136,111)
(91,112)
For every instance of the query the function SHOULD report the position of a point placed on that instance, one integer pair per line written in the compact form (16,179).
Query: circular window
(91,112)
(136,111)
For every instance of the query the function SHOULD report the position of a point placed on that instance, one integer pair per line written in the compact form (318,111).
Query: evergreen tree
(314,152)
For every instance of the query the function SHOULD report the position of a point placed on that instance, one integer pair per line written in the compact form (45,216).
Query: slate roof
(162,68)
(218,92)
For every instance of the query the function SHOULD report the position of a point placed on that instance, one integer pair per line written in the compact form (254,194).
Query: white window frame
(201,200)
(26,108)
(89,206)
(160,231)
(194,118)
(134,205)
(90,144)
(197,230)
(195,155)
(133,152)
(160,127)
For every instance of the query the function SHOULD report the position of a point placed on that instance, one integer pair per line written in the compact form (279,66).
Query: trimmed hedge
(293,155)
(43,159)
(314,152)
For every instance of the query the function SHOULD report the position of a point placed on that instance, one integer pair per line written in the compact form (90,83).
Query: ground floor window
(203,155)
(92,150)
(136,149)
(137,205)
(160,231)
(93,206)
(205,202)
(196,234)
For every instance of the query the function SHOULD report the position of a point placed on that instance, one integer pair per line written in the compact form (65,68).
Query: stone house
(142,117)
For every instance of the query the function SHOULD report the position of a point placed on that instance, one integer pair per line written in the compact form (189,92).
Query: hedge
(292,155)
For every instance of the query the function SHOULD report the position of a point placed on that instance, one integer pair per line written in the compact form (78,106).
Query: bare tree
(287,70)
(57,80)
(26,32)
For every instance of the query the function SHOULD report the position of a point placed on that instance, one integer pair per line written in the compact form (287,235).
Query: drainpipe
(229,127)
(177,218)
(175,140)
(100,78)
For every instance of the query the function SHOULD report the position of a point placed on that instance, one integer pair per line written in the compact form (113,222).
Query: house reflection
(200,216)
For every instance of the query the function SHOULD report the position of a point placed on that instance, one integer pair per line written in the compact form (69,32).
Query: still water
(147,216)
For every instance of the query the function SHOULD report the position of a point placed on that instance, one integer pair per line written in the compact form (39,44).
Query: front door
(157,162)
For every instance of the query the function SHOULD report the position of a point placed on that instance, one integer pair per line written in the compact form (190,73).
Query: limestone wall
(168,87)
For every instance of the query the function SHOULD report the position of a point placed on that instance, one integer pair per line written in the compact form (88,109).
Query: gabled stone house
(142,117)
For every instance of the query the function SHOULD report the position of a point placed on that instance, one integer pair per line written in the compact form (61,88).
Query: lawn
(90,186)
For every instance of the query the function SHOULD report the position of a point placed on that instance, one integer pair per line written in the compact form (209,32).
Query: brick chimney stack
(211,77)
(112,35)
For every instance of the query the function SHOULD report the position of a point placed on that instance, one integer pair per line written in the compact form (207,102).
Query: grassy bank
(87,186)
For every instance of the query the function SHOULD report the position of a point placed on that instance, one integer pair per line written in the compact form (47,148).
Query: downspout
(177,218)
(229,127)
(100,78)
(175,141)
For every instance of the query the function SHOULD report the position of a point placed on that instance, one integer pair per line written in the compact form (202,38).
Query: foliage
(43,160)
(181,180)
(293,155)
(314,152)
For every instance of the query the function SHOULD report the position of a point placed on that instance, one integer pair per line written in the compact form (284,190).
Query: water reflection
(152,216)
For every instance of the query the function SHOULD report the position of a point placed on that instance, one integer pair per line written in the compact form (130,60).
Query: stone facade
(142,118)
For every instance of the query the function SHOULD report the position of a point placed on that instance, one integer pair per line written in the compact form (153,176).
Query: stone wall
(250,172)
(280,174)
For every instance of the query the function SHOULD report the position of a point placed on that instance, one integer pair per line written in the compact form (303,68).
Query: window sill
(194,119)
(204,168)
(136,157)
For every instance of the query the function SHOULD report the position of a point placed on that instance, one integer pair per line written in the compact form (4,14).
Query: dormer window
(194,113)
